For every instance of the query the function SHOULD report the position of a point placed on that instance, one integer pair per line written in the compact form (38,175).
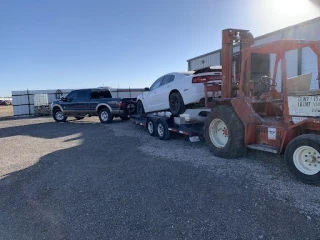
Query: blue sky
(56,44)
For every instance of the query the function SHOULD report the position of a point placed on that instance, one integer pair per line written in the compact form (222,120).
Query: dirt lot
(86,180)
(6,111)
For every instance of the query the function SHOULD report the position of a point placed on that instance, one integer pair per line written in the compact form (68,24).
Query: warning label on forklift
(272,133)
(304,105)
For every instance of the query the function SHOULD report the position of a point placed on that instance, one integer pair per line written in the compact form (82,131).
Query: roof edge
(203,55)
(265,35)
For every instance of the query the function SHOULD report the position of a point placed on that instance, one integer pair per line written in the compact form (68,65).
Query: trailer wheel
(151,127)
(302,157)
(58,116)
(162,129)
(105,116)
(224,133)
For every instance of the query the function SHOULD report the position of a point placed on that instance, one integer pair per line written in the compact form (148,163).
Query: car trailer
(161,124)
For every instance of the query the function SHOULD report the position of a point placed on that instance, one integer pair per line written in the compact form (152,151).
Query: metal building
(298,61)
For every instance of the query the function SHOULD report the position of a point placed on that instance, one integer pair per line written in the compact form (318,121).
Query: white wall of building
(6,98)
(309,64)
(206,61)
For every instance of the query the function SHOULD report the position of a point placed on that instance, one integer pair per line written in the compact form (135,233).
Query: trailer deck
(191,123)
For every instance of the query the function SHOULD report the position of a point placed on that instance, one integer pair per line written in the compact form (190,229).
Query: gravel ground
(86,180)
(6,111)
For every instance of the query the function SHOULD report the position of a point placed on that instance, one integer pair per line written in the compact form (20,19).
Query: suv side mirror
(63,99)
(147,89)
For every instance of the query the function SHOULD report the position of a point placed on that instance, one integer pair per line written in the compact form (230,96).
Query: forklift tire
(162,129)
(151,127)
(124,118)
(140,108)
(79,118)
(105,116)
(302,156)
(224,132)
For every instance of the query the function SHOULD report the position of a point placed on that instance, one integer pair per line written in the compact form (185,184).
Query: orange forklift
(254,113)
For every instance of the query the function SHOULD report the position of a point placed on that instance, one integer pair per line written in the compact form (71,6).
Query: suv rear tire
(105,116)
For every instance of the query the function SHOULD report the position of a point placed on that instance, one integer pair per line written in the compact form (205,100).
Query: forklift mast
(229,37)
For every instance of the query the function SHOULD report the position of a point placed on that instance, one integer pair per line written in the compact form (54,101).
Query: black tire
(129,108)
(124,118)
(176,104)
(105,116)
(162,129)
(151,128)
(140,108)
(234,146)
(58,116)
(79,118)
(309,158)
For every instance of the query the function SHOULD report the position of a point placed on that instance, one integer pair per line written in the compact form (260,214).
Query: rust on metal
(265,115)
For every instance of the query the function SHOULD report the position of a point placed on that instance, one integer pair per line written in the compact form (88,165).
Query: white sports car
(175,90)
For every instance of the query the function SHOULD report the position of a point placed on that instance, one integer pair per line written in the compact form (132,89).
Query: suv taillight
(202,79)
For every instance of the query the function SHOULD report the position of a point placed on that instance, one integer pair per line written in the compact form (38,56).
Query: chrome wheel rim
(307,160)
(160,130)
(150,127)
(218,133)
(104,116)
(59,115)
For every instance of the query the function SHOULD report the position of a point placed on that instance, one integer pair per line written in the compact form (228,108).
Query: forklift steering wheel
(265,80)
